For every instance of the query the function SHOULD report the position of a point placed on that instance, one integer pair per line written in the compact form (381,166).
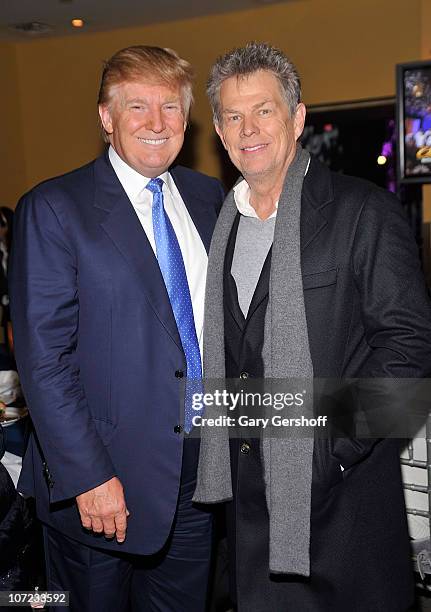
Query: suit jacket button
(178,429)
(245,448)
(243,375)
(179,374)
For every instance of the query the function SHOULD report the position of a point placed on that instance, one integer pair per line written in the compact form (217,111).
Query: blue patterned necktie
(171,265)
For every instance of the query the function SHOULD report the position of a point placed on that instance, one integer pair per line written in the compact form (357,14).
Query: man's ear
(299,119)
(220,133)
(106,118)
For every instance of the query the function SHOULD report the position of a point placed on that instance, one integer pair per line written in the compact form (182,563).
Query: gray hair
(244,61)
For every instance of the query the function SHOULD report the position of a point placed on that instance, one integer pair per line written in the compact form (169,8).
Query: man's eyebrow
(134,100)
(138,100)
(255,106)
(259,104)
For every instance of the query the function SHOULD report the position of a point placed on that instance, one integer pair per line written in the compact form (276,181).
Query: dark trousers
(173,580)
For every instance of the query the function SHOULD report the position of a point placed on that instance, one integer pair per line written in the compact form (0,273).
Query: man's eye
(172,109)
(265,111)
(137,107)
(233,118)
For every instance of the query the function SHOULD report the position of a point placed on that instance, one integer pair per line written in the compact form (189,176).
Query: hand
(103,509)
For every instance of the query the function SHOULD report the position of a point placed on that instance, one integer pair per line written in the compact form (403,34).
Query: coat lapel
(123,227)
(316,193)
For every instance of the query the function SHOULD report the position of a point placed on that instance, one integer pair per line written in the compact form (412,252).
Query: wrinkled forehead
(250,89)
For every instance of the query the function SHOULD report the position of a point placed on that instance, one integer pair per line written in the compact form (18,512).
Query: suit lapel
(197,208)
(262,286)
(230,288)
(123,227)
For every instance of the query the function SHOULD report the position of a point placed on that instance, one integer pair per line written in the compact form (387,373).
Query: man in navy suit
(105,331)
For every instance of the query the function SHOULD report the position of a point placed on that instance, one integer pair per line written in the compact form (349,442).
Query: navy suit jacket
(97,349)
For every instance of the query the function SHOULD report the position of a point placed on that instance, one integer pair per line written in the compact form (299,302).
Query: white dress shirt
(241,194)
(192,248)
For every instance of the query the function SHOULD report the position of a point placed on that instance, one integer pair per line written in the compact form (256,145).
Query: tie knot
(155,185)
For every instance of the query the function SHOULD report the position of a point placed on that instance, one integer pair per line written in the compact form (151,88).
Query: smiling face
(256,128)
(145,123)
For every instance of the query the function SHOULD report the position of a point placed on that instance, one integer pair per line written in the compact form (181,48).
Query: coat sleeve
(394,299)
(45,317)
(396,314)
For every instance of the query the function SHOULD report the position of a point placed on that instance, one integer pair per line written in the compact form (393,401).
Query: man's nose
(156,121)
(249,126)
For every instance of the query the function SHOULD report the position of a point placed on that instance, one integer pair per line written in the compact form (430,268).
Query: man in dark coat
(311,275)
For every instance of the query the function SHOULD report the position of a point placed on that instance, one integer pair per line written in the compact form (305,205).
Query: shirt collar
(132,181)
(241,194)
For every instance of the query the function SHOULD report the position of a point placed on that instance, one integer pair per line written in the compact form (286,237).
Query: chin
(254,171)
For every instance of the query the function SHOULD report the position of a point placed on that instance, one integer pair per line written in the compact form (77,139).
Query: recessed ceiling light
(32,28)
(77,23)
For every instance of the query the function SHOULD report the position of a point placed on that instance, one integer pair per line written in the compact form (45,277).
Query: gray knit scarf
(287,463)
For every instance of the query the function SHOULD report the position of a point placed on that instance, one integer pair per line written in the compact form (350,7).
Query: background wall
(13,176)
(343,50)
